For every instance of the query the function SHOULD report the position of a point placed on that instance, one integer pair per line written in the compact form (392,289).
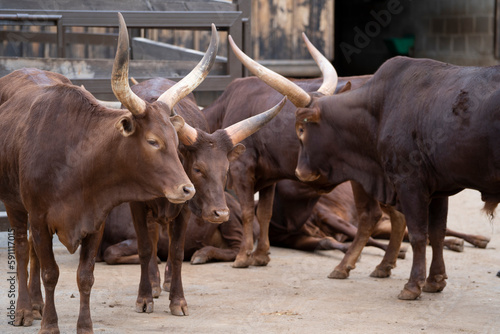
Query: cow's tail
(489,206)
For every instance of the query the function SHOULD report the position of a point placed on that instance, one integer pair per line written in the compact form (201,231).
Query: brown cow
(206,157)
(271,155)
(67,161)
(205,241)
(393,137)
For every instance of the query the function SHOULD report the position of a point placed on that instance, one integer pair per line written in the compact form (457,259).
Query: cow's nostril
(188,189)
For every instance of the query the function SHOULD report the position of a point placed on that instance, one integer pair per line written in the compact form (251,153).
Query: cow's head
(308,111)
(207,161)
(150,129)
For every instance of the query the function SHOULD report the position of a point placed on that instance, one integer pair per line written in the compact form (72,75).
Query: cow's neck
(355,115)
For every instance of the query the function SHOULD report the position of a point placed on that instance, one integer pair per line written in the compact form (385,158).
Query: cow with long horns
(66,160)
(271,156)
(417,132)
(206,157)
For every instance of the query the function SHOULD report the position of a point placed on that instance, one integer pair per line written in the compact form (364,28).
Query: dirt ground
(293,294)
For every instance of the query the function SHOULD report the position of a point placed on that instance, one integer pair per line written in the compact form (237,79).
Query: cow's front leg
(243,258)
(85,278)
(414,203)
(369,214)
(438,212)
(260,256)
(177,235)
(398,227)
(144,301)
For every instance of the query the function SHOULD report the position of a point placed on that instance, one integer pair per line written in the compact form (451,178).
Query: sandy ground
(293,294)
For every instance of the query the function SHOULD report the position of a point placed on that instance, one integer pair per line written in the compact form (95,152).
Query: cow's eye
(196,170)
(154,143)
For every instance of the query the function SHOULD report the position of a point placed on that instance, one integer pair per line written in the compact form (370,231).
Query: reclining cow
(333,221)
(393,137)
(67,161)
(205,242)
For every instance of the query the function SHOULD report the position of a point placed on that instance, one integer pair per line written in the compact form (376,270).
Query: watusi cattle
(205,241)
(417,132)
(270,156)
(67,161)
(206,156)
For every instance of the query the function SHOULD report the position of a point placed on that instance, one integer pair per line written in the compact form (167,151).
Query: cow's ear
(126,126)
(177,121)
(235,152)
(346,87)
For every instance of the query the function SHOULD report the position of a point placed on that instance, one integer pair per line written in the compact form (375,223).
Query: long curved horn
(181,89)
(330,77)
(241,130)
(187,134)
(297,95)
(119,76)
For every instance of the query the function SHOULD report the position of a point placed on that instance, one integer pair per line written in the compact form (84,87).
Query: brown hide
(417,132)
(66,160)
(271,154)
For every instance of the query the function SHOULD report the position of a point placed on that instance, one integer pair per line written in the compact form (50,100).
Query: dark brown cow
(417,132)
(67,161)
(205,241)
(206,158)
(271,155)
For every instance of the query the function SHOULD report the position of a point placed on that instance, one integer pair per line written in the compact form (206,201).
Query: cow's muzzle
(218,216)
(306,176)
(182,194)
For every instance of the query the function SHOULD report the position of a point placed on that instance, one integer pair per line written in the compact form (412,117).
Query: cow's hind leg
(42,241)
(260,256)
(398,227)
(34,286)
(438,211)
(19,222)
(85,278)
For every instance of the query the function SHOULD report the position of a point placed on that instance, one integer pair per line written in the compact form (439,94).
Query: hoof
(37,311)
(144,307)
(381,272)
(338,274)
(402,253)
(498,274)
(199,258)
(408,295)
(242,261)
(23,318)
(156,291)
(410,292)
(480,241)
(436,285)
(51,330)
(456,245)
(179,309)
(260,260)
(166,286)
